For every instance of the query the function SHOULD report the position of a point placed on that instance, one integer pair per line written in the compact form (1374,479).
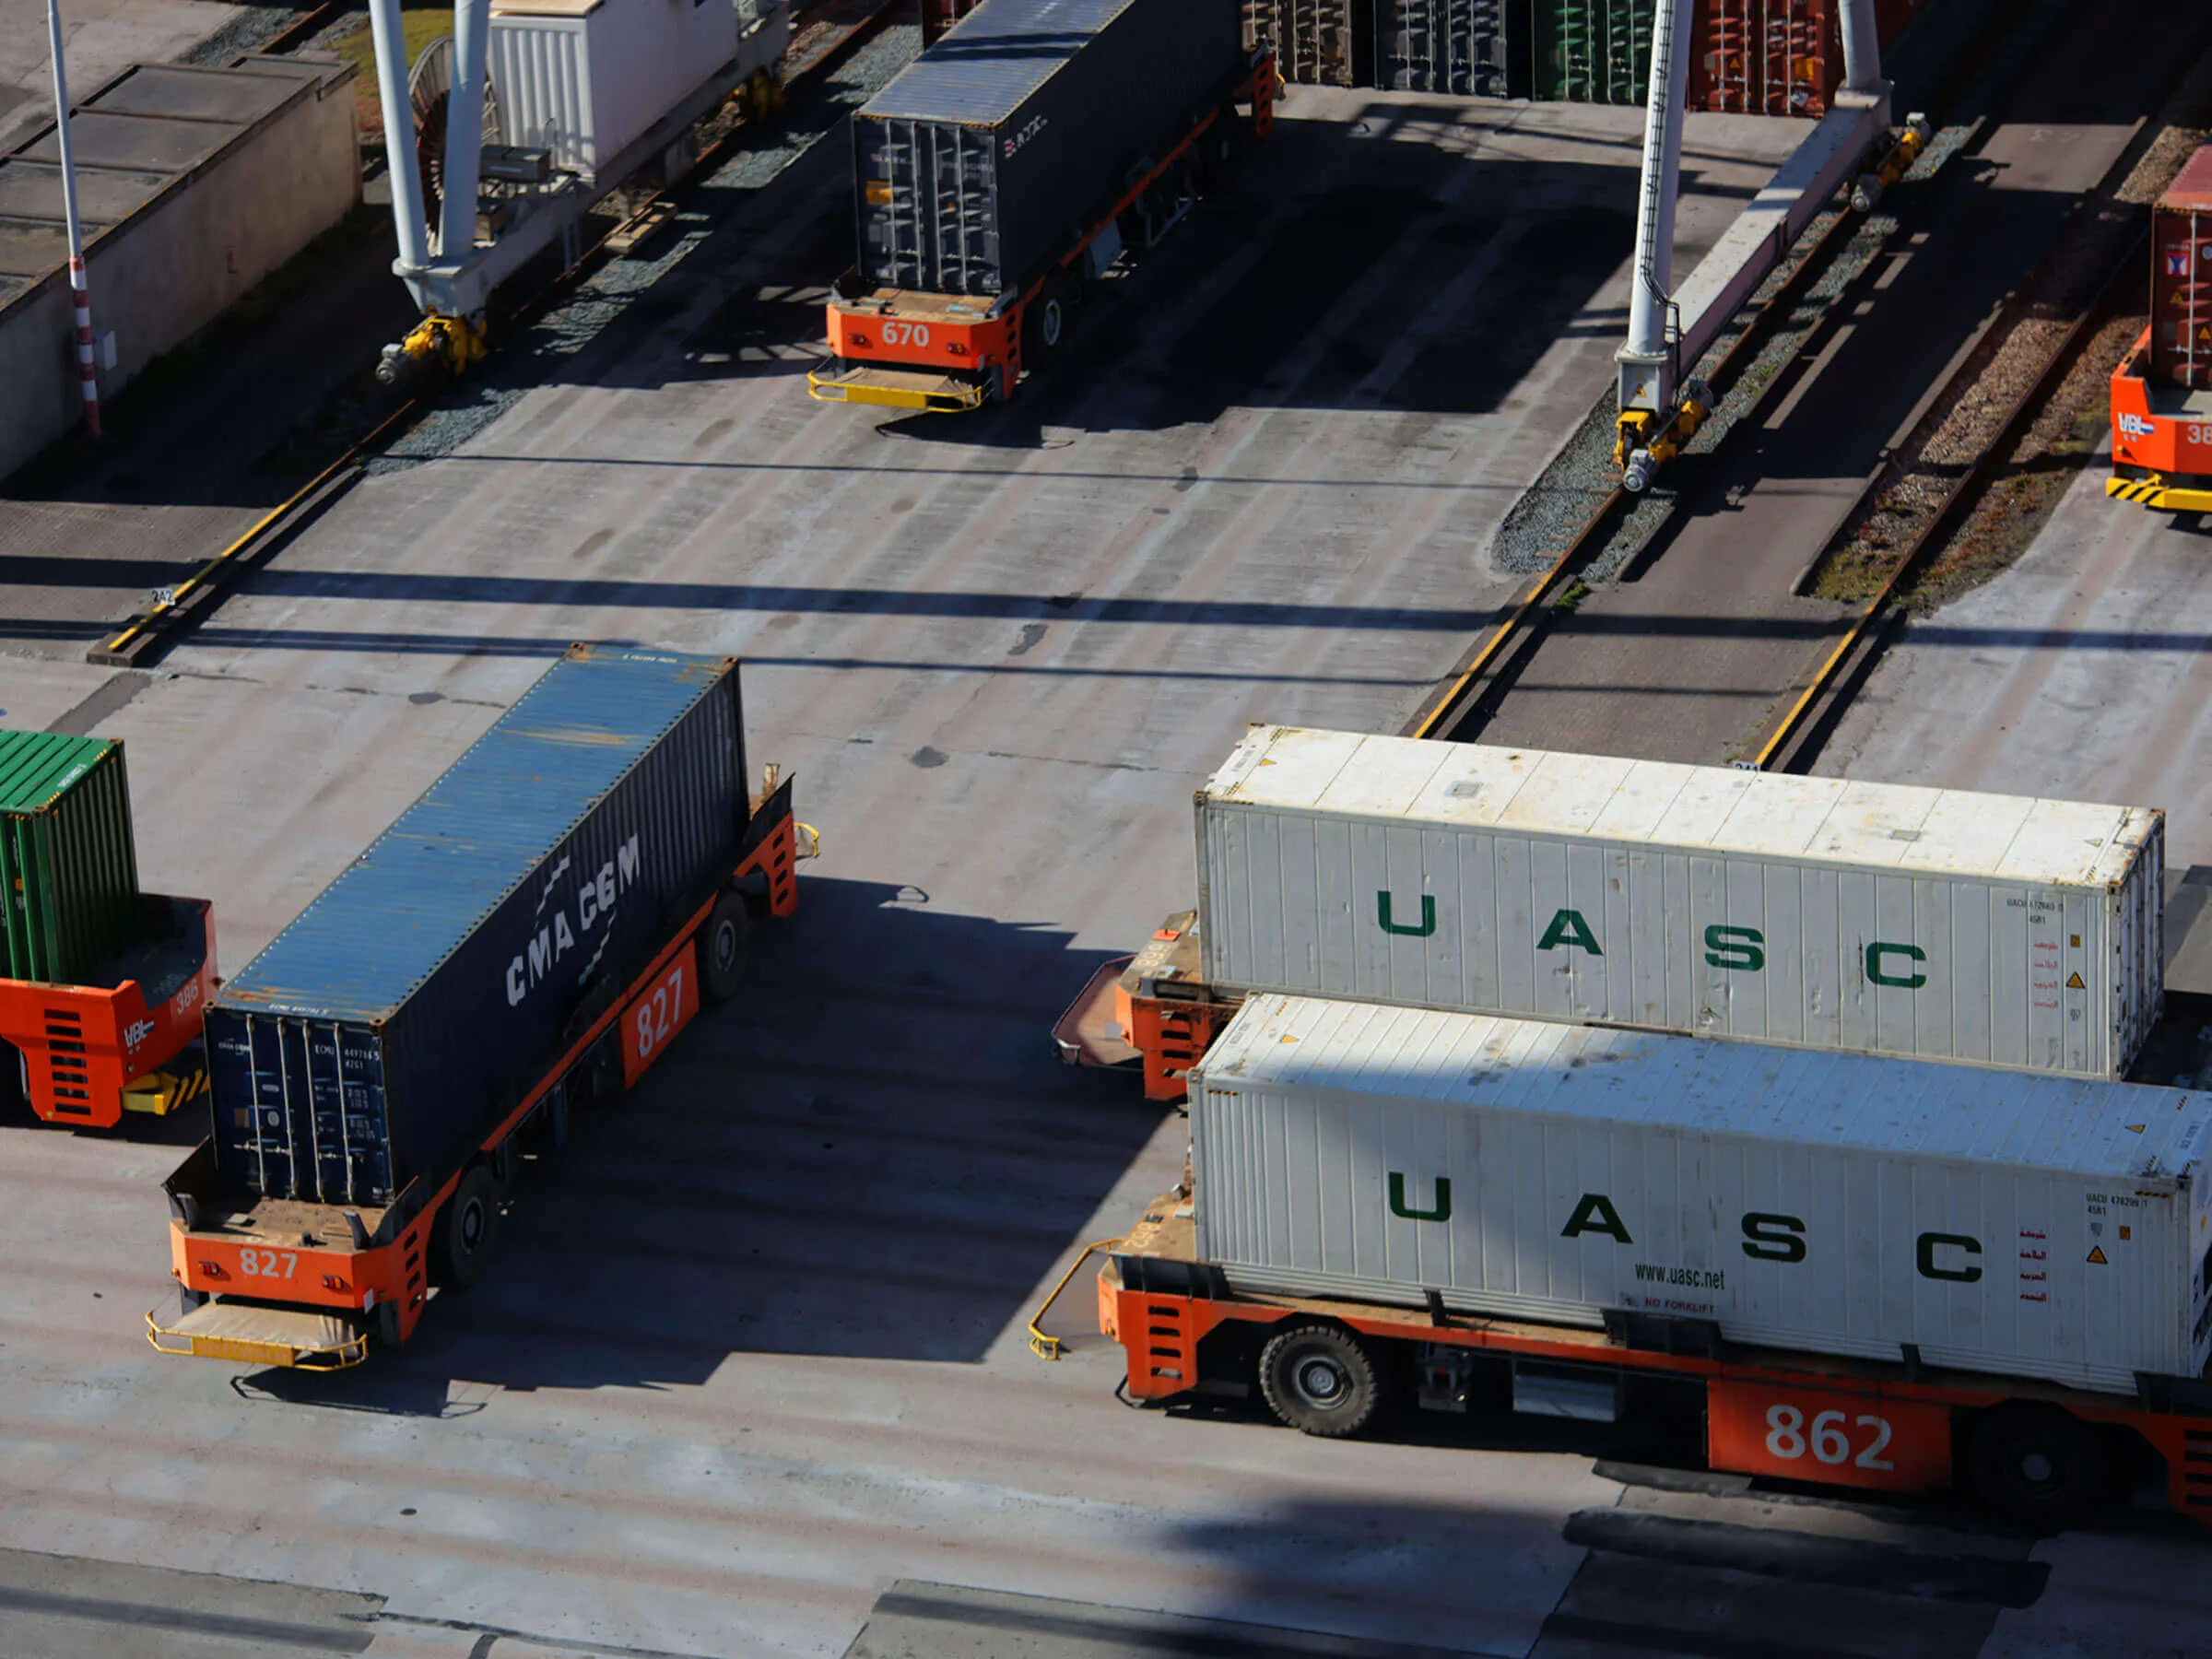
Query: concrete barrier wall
(196,186)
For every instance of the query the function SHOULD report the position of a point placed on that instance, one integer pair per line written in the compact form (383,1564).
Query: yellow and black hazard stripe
(2154,492)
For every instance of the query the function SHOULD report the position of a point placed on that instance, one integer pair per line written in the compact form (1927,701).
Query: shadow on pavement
(874,1153)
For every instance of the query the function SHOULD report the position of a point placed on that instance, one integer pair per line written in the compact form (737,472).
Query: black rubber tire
(387,1324)
(190,1300)
(1321,1380)
(724,945)
(2038,1465)
(1045,325)
(466,1230)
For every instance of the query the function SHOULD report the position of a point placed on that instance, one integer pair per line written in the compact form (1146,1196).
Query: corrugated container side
(541,75)
(68,856)
(1593,51)
(587,87)
(973,175)
(1830,1203)
(562,889)
(1316,42)
(2180,278)
(1355,881)
(1765,57)
(1466,48)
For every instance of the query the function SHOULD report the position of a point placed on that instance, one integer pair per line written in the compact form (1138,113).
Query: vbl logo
(2133,425)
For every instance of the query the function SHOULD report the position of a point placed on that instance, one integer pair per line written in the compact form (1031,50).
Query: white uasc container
(2032,1227)
(1871,918)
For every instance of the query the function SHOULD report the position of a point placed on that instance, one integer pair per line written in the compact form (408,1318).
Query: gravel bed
(1539,525)
(2063,437)
(254,27)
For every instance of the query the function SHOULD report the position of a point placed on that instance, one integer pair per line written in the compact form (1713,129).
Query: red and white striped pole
(80,290)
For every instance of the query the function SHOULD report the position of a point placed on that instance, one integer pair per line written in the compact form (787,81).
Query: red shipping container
(1765,57)
(937,16)
(2180,278)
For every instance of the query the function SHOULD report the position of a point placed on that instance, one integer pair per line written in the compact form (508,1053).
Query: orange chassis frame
(91,1052)
(2161,440)
(395,1274)
(1768,1413)
(977,340)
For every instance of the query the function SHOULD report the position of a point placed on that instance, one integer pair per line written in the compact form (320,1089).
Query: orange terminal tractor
(529,938)
(2163,388)
(102,987)
(1012,167)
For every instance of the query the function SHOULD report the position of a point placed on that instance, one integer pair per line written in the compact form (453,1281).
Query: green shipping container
(1593,51)
(68,864)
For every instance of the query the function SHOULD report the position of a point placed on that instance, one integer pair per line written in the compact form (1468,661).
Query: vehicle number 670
(905,333)
(1828,1437)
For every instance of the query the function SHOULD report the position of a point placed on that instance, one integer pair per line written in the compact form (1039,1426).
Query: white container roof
(1891,827)
(1600,1074)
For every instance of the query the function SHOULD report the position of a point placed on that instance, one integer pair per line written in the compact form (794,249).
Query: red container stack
(1765,57)
(937,16)
(2180,278)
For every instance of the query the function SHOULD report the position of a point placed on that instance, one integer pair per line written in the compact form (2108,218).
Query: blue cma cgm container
(412,1005)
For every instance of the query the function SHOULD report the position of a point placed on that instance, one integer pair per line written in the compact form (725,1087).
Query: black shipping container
(986,158)
(1470,48)
(413,1003)
(1316,42)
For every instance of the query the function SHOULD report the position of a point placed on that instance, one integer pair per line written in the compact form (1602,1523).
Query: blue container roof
(992,61)
(364,946)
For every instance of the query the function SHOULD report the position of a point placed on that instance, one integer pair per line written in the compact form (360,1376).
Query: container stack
(1762,57)
(1868,918)
(68,858)
(1316,42)
(1463,47)
(1766,57)
(938,16)
(1473,1055)
(2181,278)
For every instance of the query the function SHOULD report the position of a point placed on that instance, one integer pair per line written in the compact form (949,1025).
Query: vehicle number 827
(268,1264)
(1830,1436)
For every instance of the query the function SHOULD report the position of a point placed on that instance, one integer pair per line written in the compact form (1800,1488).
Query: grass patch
(420,23)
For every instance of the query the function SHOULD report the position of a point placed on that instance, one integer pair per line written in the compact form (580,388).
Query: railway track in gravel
(1908,510)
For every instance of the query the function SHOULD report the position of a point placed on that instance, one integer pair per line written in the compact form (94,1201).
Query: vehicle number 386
(1832,1437)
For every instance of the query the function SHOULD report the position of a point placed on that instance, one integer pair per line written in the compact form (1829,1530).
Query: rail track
(1459,711)
(1922,520)
(824,35)
(1795,740)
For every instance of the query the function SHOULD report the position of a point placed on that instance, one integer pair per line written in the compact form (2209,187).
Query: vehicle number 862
(1828,1437)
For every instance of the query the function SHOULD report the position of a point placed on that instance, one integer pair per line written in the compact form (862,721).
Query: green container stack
(1593,51)
(68,862)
